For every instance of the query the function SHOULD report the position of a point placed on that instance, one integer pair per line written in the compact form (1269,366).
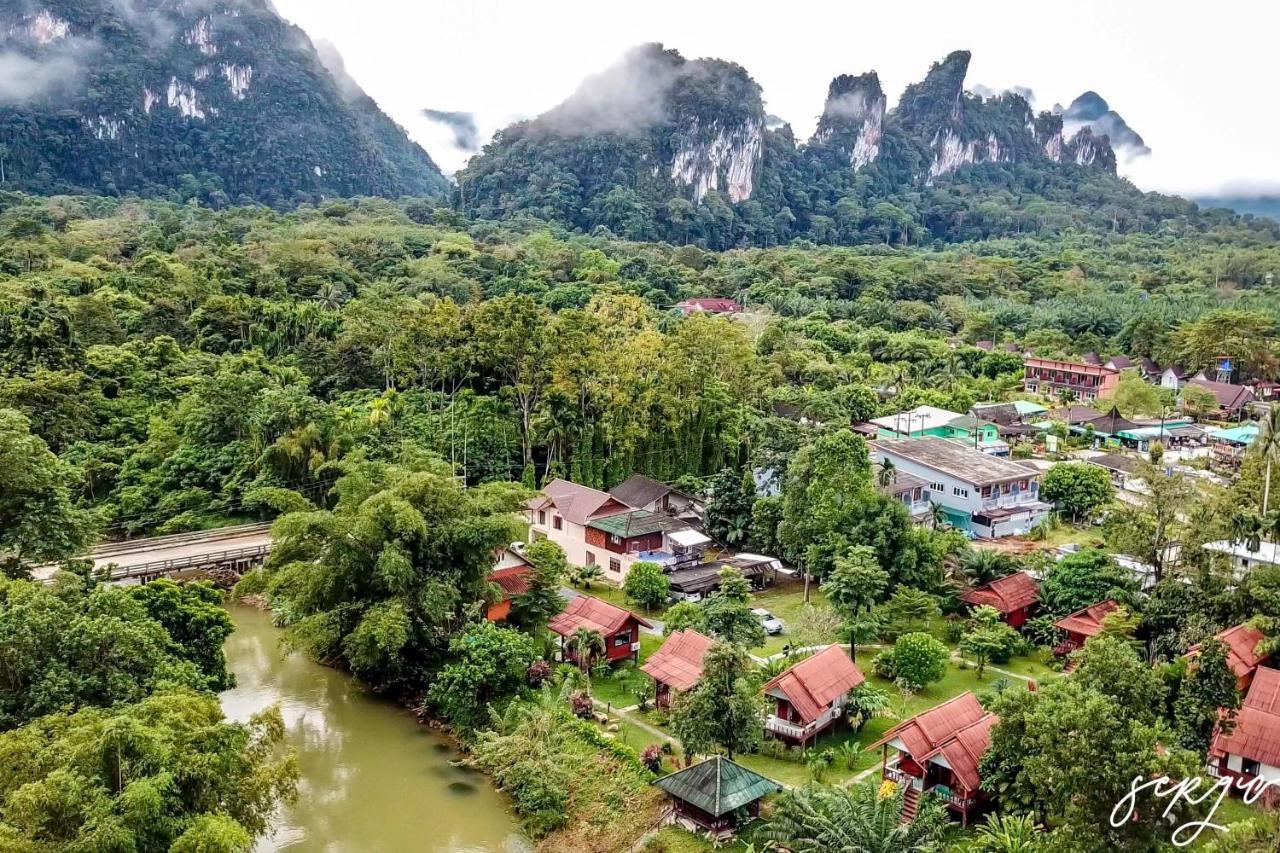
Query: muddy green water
(373,778)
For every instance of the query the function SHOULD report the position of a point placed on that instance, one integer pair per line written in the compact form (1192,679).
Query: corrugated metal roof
(579,503)
(959,730)
(1006,594)
(591,613)
(717,786)
(678,663)
(1242,648)
(1087,620)
(815,682)
(1256,733)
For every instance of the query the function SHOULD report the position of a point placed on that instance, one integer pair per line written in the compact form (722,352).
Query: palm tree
(981,566)
(936,515)
(886,474)
(1246,527)
(584,644)
(858,818)
(584,575)
(1008,834)
(1267,446)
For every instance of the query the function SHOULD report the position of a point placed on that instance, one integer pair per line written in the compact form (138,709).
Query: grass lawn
(786,601)
(614,595)
(618,688)
(673,839)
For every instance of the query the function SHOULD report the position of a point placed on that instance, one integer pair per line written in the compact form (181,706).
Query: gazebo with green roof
(717,795)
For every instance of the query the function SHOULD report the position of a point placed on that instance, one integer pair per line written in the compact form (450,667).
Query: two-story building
(984,495)
(810,696)
(930,420)
(1052,377)
(640,491)
(939,750)
(1014,596)
(1251,749)
(619,628)
(597,528)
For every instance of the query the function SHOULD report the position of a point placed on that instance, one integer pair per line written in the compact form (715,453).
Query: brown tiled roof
(1229,396)
(578,503)
(1242,643)
(713,304)
(639,491)
(814,683)
(1256,734)
(1006,594)
(1072,415)
(678,663)
(591,613)
(1088,620)
(959,730)
(513,580)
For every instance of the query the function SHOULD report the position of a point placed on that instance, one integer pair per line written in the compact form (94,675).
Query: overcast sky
(1198,81)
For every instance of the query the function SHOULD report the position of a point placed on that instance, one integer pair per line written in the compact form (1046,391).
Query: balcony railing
(1008,501)
(777,725)
(897,775)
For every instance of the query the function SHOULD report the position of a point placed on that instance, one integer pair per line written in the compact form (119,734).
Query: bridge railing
(207,560)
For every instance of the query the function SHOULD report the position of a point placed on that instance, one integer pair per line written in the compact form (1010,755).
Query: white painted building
(1241,558)
(985,495)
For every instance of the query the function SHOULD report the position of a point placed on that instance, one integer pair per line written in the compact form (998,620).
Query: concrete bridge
(139,560)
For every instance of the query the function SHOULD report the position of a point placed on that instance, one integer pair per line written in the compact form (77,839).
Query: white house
(986,495)
(1173,378)
(1241,558)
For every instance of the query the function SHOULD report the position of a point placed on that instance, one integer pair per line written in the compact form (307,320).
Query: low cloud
(631,95)
(466,135)
(1024,92)
(332,60)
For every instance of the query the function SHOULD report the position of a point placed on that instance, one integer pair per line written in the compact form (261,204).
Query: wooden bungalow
(677,665)
(810,696)
(1251,749)
(717,796)
(1083,624)
(1242,652)
(620,628)
(939,750)
(1015,596)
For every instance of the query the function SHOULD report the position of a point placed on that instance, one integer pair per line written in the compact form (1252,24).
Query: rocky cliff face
(220,96)
(1090,111)
(853,118)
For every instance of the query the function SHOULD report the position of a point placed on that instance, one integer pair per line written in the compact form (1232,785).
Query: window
(615,565)
(542,517)
(591,558)
(938,487)
(1249,767)
(623,639)
(557,522)
(959,492)
(616,540)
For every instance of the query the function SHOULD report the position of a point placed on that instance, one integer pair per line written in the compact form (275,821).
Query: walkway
(163,554)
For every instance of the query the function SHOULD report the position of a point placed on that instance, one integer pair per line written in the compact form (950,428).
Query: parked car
(772,624)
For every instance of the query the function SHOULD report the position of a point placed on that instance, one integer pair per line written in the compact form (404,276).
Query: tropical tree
(1207,697)
(723,710)
(1077,487)
(586,575)
(1005,833)
(858,818)
(726,613)
(585,644)
(488,664)
(647,585)
(983,565)
(855,584)
(1267,448)
(543,600)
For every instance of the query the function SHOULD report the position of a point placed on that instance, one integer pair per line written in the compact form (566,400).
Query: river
(373,778)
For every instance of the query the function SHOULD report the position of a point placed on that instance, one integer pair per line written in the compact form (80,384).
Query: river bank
(373,777)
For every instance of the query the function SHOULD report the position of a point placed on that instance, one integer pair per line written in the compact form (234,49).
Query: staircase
(910,804)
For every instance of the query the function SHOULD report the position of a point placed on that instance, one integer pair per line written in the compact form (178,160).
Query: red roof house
(811,695)
(1252,748)
(1015,596)
(709,305)
(620,628)
(1231,398)
(1242,652)
(512,581)
(940,749)
(1083,624)
(677,665)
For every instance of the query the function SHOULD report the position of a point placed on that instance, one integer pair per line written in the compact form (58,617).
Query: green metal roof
(636,523)
(717,786)
(1026,407)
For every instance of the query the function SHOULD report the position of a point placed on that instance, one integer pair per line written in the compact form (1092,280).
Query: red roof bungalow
(620,628)
(709,305)
(1082,625)
(513,581)
(1242,652)
(677,665)
(1015,596)
(939,750)
(811,695)
(1252,748)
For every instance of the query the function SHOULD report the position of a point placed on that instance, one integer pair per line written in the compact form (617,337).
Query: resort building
(1083,624)
(982,494)
(1052,377)
(511,575)
(1251,749)
(939,750)
(1243,657)
(715,796)
(1015,596)
(932,421)
(619,628)
(677,665)
(810,696)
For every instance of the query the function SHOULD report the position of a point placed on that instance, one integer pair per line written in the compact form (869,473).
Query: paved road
(179,549)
